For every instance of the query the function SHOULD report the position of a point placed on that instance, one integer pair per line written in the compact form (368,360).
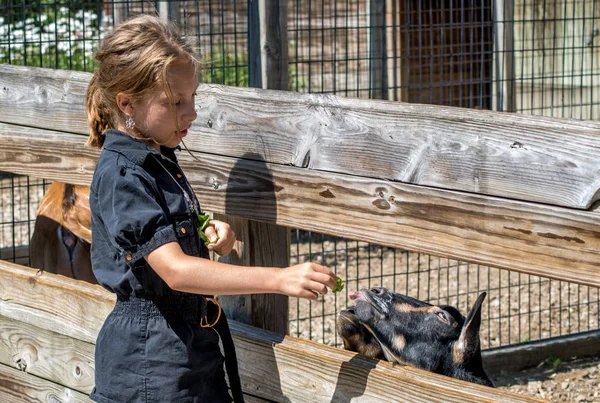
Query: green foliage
(552,361)
(225,69)
(340,284)
(201,224)
(66,37)
(45,36)
(231,69)
(51,11)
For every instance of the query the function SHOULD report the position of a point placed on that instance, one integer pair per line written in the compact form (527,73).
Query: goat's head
(391,326)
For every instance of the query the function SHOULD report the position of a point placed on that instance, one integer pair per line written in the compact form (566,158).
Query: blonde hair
(133,60)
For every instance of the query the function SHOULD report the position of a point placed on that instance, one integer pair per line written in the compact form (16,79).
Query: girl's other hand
(306,280)
(221,236)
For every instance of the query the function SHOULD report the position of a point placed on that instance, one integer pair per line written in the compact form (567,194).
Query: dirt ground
(560,382)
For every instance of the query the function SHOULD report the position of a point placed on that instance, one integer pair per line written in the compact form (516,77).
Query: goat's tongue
(357,295)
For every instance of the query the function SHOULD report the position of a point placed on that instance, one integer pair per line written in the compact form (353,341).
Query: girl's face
(155,114)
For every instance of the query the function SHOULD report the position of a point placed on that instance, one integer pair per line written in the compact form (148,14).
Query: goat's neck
(473,372)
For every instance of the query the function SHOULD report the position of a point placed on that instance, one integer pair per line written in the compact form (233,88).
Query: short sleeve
(132,214)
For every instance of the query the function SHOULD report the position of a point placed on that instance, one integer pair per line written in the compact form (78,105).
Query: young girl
(157,345)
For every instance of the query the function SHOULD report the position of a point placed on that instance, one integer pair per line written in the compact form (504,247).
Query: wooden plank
(542,240)
(40,93)
(35,352)
(506,155)
(47,301)
(48,355)
(273,366)
(38,155)
(345,376)
(521,356)
(545,160)
(17,386)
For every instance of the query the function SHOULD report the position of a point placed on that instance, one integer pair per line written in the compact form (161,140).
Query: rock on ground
(575,381)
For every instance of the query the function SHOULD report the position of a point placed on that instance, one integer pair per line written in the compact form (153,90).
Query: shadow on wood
(359,372)
(258,244)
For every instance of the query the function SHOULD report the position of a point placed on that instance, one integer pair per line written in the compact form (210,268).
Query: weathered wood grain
(357,378)
(47,301)
(44,98)
(538,239)
(506,155)
(521,157)
(45,354)
(46,154)
(17,387)
(258,244)
(272,366)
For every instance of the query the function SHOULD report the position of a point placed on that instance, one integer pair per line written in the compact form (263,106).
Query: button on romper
(151,347)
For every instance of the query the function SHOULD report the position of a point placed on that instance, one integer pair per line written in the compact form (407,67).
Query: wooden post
(503,99)
(261,244)
(404,23)
(393,36)
(377,50)
(169,10)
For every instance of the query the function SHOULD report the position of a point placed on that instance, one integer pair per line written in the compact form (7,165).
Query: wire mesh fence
(512,55)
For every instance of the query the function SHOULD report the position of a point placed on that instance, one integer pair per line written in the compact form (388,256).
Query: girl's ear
(125,104)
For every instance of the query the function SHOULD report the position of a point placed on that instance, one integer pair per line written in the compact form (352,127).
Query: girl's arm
(197,275)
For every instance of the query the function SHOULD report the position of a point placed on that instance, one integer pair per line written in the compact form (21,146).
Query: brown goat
(391,326)
(62,234)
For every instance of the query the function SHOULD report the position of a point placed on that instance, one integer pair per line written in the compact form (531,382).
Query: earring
(129,123)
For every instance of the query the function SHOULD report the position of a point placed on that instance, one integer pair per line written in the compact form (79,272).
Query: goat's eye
(442,316)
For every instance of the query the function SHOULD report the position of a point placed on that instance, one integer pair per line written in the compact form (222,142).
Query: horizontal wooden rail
(542,240)
(46,354)
(64,315)
(537,159)
(17,386)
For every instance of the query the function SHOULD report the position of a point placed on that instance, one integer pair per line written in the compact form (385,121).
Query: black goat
(391,326)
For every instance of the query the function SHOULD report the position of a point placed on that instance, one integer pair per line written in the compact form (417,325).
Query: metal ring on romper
(204,321)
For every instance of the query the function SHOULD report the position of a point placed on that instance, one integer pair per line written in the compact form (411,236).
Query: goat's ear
(468,341)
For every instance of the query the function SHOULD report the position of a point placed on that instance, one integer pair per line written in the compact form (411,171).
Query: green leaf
(340,284)
(203,222)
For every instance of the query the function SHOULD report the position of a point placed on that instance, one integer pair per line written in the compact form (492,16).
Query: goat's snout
(380,299)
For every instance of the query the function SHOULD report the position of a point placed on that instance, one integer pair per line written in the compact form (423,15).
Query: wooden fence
(509,191)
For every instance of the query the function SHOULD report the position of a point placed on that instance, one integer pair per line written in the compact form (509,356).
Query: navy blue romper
(151,347)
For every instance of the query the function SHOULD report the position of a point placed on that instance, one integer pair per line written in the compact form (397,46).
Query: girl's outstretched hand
(221,237)
(306,280)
